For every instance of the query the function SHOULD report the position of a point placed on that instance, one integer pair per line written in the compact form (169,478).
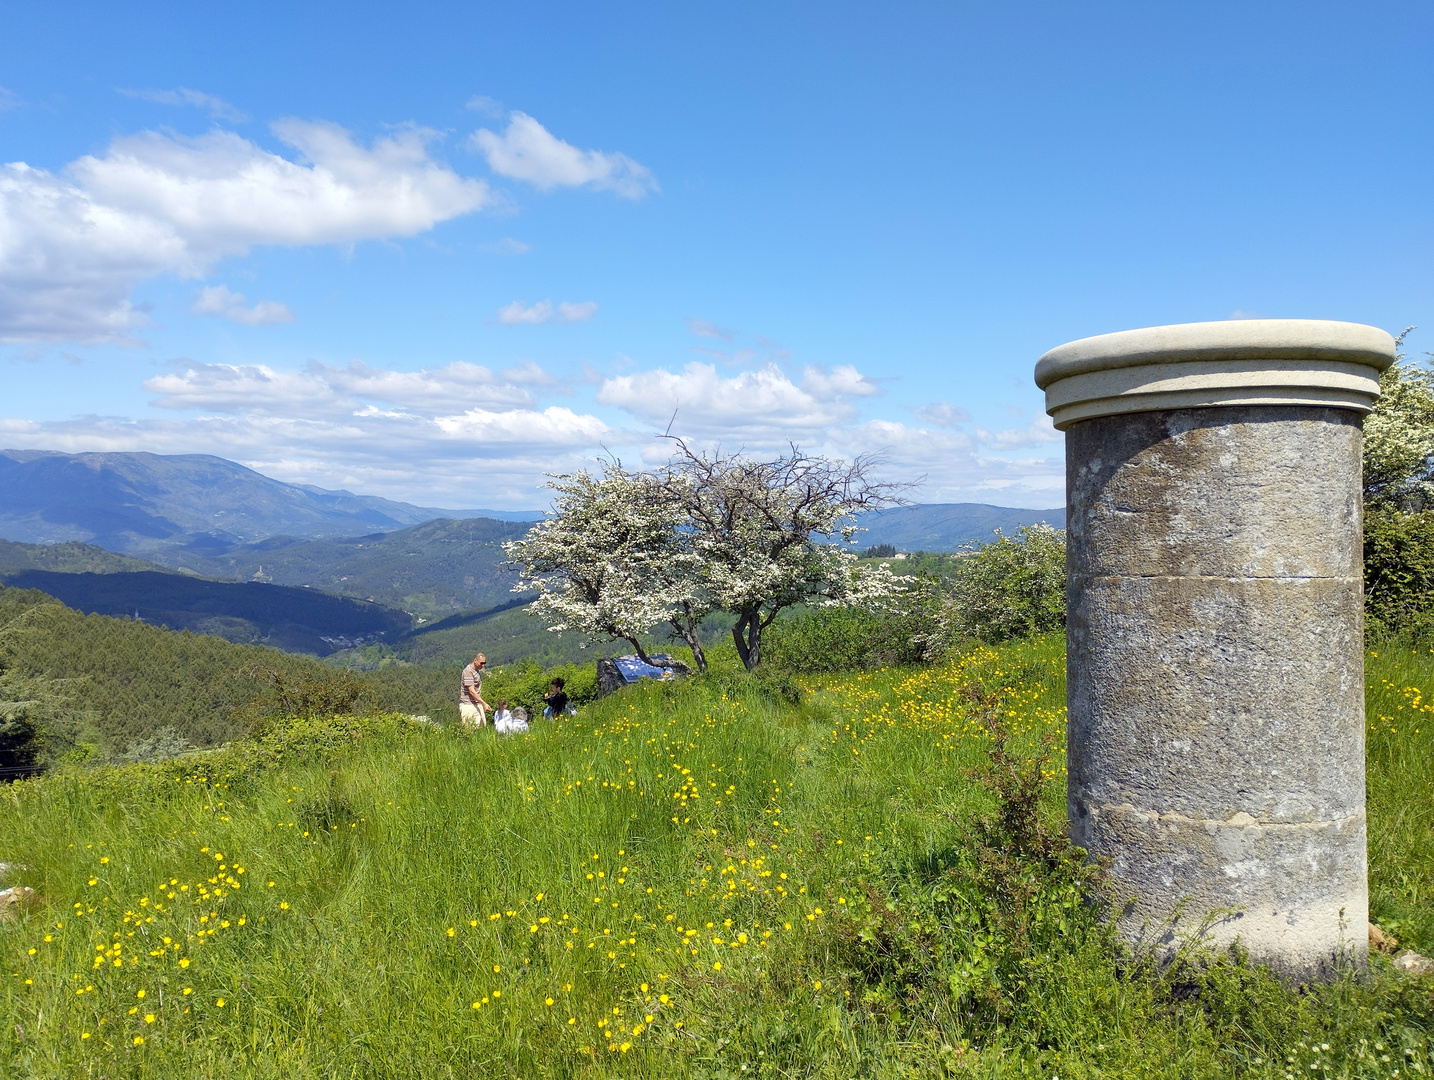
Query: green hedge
(841,639)
(1399,574)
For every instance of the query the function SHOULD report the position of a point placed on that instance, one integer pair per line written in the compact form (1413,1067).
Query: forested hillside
(115,683)
(430,570)
(68,558)
(293,619)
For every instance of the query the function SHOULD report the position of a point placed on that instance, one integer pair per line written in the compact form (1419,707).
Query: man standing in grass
(472,709)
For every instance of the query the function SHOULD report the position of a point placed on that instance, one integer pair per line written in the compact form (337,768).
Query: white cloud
(529,373)
(507,246)
(842,381)
(458,435)
(516,314)
(703,328)
(553,426)
(73,247)
(1038,432)
(486,106)
(68,263)
(215,107)
(223,194)
(320,389)
(219,300)
(765,399)
(955,466)
(462,435)
(528,151)
(942,414)
(459,462)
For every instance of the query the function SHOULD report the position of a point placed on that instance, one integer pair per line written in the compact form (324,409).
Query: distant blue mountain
(144,504)
(947,526)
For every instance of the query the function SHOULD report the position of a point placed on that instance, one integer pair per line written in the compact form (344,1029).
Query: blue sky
(435,251)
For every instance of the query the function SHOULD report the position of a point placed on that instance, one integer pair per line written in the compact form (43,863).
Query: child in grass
(556,699)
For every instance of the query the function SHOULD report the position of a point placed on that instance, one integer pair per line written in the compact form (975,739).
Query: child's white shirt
(505,723)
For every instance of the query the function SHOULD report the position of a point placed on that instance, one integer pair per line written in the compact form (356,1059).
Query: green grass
(840,860)
(1399,704)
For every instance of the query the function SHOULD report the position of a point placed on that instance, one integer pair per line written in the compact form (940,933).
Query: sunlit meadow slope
(681,880)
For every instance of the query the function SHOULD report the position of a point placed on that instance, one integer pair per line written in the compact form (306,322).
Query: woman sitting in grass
(506,723)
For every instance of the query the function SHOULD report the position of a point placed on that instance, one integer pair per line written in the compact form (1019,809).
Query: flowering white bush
(627,551)
(1012,587)
(611,560)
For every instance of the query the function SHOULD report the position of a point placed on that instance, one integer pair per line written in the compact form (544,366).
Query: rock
(1412,962)
(1380,941)
(16,900)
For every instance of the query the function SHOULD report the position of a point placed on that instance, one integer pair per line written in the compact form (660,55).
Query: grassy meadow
(706,879)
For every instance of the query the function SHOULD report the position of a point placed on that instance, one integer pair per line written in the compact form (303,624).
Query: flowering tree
(625,551)
(1012,587)
(1399,439)
(754,527)
(610,561)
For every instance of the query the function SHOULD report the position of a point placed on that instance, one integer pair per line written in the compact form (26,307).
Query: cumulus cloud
(215,107)
(942,414)
(842,381)
(765,399)
(955,466)
(73,246)
(528,151)
(462,435)
(1038,432)
(223,194)
(219,300)
(458,435)
(544,311)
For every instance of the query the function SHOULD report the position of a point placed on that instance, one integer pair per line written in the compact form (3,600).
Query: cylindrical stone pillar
(1215,641)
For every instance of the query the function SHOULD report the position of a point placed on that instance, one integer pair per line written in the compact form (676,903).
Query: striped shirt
(474,678)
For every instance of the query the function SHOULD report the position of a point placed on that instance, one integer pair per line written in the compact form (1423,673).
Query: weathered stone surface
(1216,685)
(1215,696)
(1189,493)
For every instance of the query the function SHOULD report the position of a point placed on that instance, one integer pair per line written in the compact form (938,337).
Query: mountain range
(197,542)
(145,504)
(948,526)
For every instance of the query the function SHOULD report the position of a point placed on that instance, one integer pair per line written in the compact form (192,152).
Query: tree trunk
(747,633)
(641,652)
(686,628)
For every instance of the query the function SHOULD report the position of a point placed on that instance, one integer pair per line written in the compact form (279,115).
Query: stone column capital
(1311,362)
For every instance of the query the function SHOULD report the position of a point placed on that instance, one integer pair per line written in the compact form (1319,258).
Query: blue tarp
(633,669)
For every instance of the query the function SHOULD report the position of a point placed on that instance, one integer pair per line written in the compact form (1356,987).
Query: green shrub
(1014,586)
(843,639)
(526,683)
(1399,574)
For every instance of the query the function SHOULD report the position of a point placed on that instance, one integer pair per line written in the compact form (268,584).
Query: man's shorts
(471,715)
